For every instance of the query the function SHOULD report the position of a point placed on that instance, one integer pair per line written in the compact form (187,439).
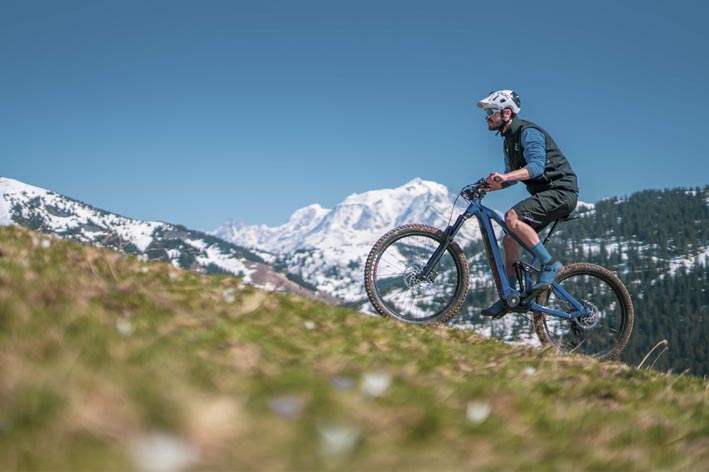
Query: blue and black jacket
(528,145)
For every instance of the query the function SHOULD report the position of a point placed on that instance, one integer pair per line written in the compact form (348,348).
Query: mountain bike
(418,274)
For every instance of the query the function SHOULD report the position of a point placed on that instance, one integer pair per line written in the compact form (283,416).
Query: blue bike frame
(515,300)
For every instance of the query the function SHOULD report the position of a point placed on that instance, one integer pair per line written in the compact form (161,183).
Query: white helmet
(500,100)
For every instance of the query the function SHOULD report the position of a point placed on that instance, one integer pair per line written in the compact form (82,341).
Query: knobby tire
(396,242)
(615,320)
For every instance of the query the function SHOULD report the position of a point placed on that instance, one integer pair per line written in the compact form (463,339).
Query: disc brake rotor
(591,319)
(414,280)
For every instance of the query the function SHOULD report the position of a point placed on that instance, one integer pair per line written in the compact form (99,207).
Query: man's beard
(493,127)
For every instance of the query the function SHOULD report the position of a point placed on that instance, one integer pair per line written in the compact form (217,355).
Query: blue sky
(193,112)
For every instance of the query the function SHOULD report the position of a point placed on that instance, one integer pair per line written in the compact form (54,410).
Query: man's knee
(511,219)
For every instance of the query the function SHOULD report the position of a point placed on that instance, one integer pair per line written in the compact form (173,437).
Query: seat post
(551,230)
(553,227)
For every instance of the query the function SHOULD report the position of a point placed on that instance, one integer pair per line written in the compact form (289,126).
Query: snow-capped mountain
(327,248)
(51,213)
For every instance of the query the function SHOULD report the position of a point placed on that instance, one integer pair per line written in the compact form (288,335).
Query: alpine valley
(657,241)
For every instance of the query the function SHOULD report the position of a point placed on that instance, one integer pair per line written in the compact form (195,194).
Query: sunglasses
(490,112)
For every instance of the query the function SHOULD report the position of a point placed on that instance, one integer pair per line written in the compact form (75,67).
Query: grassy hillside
(108,362)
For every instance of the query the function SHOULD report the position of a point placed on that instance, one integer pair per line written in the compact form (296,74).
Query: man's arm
(535,152)
(497,181)
(535,156)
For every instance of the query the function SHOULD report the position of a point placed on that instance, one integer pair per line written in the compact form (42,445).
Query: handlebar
(476,190)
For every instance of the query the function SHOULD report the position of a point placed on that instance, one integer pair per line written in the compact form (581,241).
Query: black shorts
(545,207)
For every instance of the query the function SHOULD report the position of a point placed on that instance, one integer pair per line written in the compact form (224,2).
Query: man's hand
(496,180)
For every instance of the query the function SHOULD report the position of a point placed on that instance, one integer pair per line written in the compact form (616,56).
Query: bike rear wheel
(604,333)
(394,282)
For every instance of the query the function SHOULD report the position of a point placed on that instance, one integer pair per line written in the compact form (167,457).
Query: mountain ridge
(48,212)
(368,212)
(328,250)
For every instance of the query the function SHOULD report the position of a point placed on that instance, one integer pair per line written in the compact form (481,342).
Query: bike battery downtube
(495,262)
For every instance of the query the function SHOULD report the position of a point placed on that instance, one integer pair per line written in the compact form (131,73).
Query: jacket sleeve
(535,154)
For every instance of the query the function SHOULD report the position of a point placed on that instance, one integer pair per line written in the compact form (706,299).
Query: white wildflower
(310,325)
(478,412)
(125,327)
(375,384)
(529,371)
(229,296)
(336,440)
(162,452)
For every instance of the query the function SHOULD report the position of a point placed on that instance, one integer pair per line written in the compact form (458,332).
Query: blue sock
(541,253)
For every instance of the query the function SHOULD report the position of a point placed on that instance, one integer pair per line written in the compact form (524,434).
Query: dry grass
(108,362)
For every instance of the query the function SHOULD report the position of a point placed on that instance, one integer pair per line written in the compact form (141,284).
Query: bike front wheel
(605,331)
(394,280)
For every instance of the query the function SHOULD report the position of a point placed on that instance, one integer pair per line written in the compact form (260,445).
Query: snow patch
(701,258)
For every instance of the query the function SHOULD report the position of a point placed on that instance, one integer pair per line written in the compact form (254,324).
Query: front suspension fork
(449,234)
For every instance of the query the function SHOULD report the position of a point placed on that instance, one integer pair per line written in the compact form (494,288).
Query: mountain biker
(532,156)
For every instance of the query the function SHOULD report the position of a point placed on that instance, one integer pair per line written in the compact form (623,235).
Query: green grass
(101,353)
